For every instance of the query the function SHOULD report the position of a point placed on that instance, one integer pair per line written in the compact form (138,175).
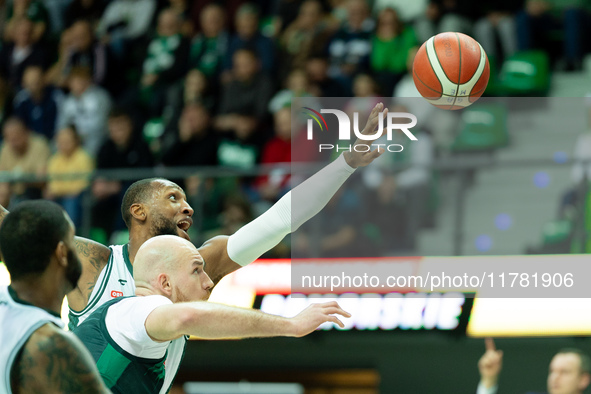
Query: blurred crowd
(123,84)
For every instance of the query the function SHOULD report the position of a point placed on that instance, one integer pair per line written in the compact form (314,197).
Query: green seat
(556,231)
(525,73)
(483,128)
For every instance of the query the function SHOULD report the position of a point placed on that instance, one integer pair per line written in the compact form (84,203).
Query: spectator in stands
(194,143)
(539,24)
(78,48)
(37,103)
(22,152)
(391,45)
(350,47)
(90,10)
(193,89)
(34,11)
(181,7)
(408,11)
(69,159)
(444,15)
(387,237)
(285,13)
(569,372)
(21,53)
(297,85)
(277,150)
(236,213)
(306,35)
(120,151)
(87,107)
(495,29)
(244,101)
(321,84)
(124,23)
(210,46)
(248,36)
(337,231)
(413,173)
(165,62)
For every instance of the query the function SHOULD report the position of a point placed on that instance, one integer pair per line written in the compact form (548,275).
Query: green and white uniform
(128,360)
(115,280)
(18,321)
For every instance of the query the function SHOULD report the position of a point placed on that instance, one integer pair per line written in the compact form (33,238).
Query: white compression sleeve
(266,231)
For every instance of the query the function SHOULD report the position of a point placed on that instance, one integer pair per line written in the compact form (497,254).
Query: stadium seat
(525,73)
(483,128)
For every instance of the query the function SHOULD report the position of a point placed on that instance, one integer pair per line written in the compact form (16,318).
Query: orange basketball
(451,70)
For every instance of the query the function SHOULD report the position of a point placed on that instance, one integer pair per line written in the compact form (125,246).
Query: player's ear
(61,253)
(138,212)
(164,284)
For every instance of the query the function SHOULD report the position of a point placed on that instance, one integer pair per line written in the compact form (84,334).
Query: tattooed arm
(55,361)
(93,256)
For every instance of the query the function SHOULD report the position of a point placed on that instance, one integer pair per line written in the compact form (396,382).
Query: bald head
(171,266)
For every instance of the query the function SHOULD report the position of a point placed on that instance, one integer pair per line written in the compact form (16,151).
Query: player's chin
(183,234)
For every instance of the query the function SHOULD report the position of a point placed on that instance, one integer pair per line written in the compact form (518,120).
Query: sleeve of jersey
(288,214)
(126,325)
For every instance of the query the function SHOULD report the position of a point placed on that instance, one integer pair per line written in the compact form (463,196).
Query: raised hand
(313,316)
(360,159)
(490,364)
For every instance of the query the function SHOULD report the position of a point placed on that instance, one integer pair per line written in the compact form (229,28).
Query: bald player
(130,337)
(154,207)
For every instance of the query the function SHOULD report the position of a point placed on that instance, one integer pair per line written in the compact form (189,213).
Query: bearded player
(156,206)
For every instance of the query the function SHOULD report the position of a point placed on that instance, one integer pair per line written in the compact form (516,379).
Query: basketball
(451,70)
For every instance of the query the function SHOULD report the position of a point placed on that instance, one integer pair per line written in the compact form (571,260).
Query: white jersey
(18,321)
(128,360)
(115,280)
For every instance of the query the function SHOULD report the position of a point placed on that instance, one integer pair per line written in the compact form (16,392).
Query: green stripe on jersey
(111,365)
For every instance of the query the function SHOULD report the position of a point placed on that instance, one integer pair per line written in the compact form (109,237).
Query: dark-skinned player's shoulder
(96,254)
(55,361)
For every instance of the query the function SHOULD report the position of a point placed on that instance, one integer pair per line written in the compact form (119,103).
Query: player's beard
(163,226)
(179,296)
(74,269)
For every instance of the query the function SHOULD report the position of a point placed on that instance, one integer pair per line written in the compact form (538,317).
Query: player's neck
(39,292)
(136,239)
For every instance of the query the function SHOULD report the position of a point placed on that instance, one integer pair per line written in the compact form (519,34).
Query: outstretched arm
(55,361)
(209,320)
(224,255)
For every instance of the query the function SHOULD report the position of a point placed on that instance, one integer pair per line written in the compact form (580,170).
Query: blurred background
(96,94)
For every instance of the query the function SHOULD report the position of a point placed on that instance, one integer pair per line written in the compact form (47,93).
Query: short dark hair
(29,235)
(585,360)
(138,192)
(119,113)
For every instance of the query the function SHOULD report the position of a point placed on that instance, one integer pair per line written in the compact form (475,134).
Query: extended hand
(313,316)
(490,364)
(360,159)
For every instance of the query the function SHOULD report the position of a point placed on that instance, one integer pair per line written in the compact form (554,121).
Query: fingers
(335,320)
(374,118)
(337,310)
(489,344)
